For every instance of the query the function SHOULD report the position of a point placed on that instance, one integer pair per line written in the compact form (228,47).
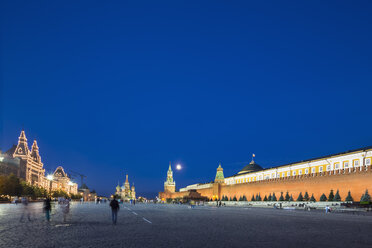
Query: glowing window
(300,172)
(306,171)
(356,162)
(288,174)
(294,173)
(346,164)
(368,161)
(328,167)
(321,168)
(337,166)
(313,170)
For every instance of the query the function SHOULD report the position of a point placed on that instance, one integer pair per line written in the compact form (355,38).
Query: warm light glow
(70,183)
(178,167)
(50,177)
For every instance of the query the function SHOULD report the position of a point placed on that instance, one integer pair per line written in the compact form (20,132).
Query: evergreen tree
(281,198)
(11,185)
(269,198)
(253,199)
(323,198)
(312,199)
(366,198)
(244,198)
(337,196)
(234,199)
(331,195)
(273,198)
(300,197)
(349,198)
(306,196)
(291,198)
(240,198)
(286,197)
(259,197)
(265,198)
(230,199)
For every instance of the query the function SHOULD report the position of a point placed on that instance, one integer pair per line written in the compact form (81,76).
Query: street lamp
(70,184)
(50,178)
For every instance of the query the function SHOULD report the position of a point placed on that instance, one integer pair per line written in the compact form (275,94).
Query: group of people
(64,205)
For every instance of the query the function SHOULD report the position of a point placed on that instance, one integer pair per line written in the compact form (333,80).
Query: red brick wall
(356,181)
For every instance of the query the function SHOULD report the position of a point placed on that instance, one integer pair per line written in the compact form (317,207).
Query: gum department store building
(27,165)
(346,171)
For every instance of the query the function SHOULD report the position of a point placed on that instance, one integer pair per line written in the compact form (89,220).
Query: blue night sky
(127,86)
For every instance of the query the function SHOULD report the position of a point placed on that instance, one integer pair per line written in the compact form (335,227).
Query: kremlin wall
(347,171)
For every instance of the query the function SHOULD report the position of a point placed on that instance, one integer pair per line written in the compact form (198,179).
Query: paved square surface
(155,225)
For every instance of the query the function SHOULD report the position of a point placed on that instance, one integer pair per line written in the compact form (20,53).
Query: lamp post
(70,184)
(50,178)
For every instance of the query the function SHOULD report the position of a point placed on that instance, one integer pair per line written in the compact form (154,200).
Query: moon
(178,167)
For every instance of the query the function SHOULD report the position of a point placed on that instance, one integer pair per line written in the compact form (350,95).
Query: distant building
(31,168)
(125,192)
(343,172)
(86,194)
(169,184)
(27,165)
(61,181)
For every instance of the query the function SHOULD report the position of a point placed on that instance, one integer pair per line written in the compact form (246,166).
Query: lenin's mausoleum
(346,171)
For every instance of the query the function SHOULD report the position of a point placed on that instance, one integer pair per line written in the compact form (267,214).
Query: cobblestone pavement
(149,225)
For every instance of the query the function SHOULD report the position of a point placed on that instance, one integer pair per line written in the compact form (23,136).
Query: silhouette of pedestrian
(47,208)
(66,209)
(114,204)
(26,211)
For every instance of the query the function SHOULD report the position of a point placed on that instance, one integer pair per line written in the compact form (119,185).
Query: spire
(170,166)
(220,178)
(126,179)
(253,156)
(35,152)
(22,136)
(22,147)
(34,146)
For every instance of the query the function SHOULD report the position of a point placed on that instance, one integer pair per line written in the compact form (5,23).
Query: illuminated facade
(125,192)
(31,168)
(170,184)
(62,182)
(27,165)
(347,171)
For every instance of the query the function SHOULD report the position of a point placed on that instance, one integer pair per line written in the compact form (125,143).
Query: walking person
(66,209)
(114,204)
(26,211)
(47,208)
